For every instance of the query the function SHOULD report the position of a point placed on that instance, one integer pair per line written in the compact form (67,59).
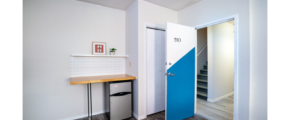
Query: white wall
(132,49)
(52,31)
(201,42)
(201,38)
(149,13)
(211,10)
(221,60)
(258,93)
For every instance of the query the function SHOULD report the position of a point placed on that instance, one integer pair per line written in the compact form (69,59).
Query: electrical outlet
(130,64)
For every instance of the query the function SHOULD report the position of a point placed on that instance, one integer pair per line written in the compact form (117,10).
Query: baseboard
(142,117)
(82,116)
(210,100)
(135,115)
(138,117)
(219,98)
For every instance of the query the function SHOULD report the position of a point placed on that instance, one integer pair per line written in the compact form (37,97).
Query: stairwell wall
(221,62)
(201,42)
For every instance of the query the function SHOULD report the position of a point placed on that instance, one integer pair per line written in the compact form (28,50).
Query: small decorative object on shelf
(112,51)
(99,48)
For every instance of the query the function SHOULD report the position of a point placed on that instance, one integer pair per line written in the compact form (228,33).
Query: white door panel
(177,50)
(155,71)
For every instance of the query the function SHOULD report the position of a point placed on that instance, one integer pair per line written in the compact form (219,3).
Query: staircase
(202,83)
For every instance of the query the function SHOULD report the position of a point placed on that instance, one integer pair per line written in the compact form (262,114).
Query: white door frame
(147,25)
(236,59)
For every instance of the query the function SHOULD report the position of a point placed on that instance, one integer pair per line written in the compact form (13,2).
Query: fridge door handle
(121,94)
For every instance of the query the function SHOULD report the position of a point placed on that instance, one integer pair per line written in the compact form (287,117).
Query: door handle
(169,74)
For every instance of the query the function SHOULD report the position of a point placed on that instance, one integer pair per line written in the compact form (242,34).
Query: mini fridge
(120,100)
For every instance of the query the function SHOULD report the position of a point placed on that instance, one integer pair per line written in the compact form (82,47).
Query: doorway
(170,30)
(155,70)
(215,65)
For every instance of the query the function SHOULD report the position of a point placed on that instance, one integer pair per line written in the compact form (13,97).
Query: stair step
(202,97)
(201,80)
(202,86)
(203,71)
(205,66)
(202,74)
(202,93)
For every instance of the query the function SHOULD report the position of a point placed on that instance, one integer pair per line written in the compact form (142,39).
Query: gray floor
(156,116)
(220,110)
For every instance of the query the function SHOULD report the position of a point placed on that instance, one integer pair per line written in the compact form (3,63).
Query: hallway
(220,110)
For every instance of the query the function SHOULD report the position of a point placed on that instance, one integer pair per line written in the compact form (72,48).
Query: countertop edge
(103,80)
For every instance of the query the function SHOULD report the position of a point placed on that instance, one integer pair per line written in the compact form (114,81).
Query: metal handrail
(202,49)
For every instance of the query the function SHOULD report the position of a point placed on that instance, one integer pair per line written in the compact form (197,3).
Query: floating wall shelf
(82,55)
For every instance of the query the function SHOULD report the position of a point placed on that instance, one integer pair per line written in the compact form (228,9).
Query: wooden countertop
(102,78)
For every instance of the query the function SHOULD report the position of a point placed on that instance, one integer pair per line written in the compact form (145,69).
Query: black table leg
(89,101)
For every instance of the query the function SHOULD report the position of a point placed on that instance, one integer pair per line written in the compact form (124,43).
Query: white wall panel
(52,31)
(221,62)
(131,63)
(259,60)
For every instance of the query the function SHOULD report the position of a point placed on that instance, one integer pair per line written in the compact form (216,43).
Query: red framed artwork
(99,48)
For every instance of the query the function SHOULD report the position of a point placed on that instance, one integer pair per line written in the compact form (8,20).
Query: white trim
(82,116)
(236,77)
(210,63)
(218,21)
(214,23)
(142,117)
(219,98)
(145,65)
(137,117)
(236,71)
(195,75)
(84,55)
(165,42)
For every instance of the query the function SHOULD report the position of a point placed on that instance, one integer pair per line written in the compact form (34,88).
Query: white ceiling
(175,5)
(117,4)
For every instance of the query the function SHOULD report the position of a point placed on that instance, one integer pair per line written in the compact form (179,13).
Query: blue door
(181,71)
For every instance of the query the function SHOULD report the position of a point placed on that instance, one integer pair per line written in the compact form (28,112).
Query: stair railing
(202,49)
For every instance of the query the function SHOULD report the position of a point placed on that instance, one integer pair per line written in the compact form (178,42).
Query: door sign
(177,39)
